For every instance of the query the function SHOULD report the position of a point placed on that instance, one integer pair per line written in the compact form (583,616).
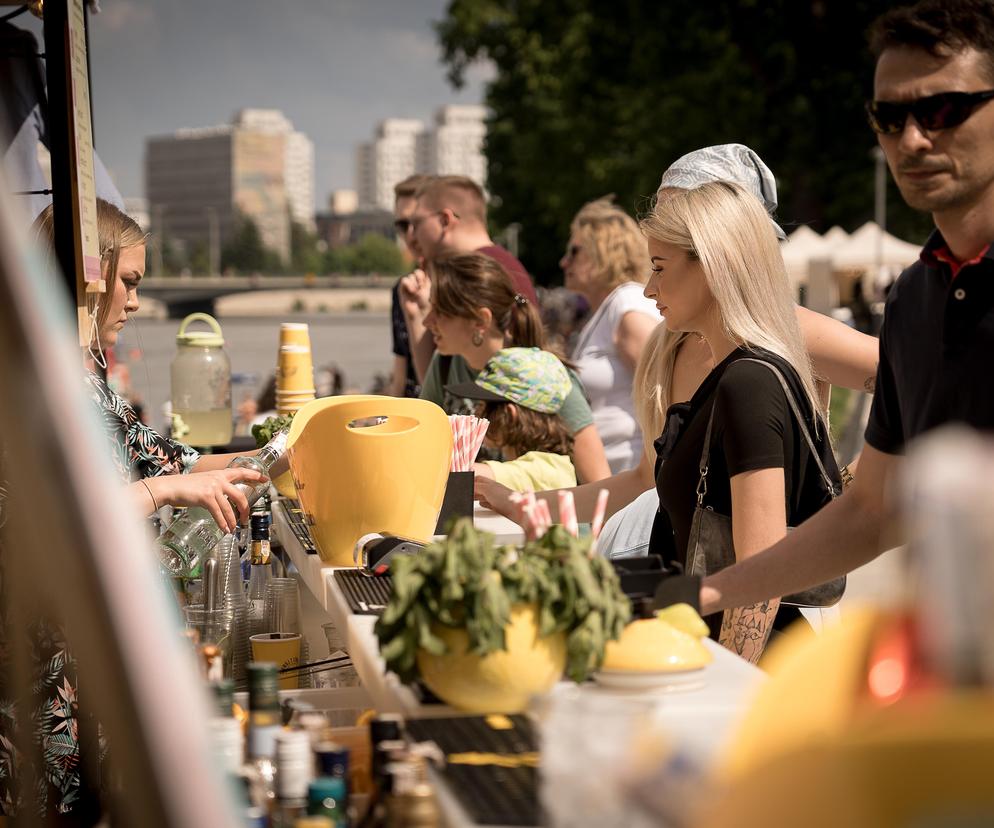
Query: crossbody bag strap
(702,482)
(800,422)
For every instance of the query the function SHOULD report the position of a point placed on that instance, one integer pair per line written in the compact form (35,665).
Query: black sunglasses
(572,252)
(942,111)
(401,225)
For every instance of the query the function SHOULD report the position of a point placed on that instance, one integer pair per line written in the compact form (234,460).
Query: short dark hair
(408,188)
(939,27)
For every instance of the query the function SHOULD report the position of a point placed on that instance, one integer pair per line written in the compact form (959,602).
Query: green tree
(247,253)
(591,98)
(200,260)
(373,253)
(304,254)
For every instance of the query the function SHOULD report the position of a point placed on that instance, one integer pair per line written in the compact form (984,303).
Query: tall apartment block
(199,181)
(390,157)
(453,145)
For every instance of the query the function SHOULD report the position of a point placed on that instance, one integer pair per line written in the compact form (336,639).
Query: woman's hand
(215,491)
(494,496)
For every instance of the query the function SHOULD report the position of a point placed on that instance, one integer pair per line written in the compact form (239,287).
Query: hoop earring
(478,338)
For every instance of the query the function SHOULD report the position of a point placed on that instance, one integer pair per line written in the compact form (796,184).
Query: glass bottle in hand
(190,538)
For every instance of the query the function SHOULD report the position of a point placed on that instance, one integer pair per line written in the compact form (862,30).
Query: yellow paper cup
(294,370)
(282,649)
(295,333)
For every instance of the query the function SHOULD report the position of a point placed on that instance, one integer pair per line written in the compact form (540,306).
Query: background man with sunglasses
(450,217)
(934,116)
(404,380)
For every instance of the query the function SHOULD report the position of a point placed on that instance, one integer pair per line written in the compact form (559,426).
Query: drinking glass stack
(233,596)
(294,368)
(281,614)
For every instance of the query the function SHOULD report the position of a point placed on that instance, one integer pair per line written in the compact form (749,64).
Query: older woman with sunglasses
(605,263)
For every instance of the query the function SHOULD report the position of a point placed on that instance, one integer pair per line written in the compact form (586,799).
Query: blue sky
(334,67)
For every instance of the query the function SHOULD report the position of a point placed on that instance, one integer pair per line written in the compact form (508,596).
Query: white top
(608,380)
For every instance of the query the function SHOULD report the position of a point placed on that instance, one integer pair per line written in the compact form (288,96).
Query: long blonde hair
(652,384)
(115,232)
(728,231)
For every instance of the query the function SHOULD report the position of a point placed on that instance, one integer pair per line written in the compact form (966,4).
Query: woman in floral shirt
(157,471)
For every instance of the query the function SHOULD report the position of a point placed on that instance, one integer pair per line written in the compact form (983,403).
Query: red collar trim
(943,254)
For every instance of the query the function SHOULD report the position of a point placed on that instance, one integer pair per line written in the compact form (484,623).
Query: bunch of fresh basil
(271,426)
(467,581)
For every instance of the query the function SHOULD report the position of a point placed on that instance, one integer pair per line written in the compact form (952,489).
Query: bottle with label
(260,573)
(190,538)
(263,725)
(294,771)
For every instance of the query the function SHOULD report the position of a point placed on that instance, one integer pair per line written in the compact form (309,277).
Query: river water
(357,343)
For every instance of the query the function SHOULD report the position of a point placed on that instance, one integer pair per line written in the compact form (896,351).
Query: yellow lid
(200,339)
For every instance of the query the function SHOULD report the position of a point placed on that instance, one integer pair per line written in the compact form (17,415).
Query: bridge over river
(185,294)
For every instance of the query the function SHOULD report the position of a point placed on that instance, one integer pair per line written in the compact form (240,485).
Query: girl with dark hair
(476,312)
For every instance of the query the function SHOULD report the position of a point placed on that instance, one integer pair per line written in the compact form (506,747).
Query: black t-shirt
(402,343)
(754,428)
(936,350)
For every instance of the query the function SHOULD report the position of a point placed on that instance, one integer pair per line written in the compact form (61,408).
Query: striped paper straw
(567,512)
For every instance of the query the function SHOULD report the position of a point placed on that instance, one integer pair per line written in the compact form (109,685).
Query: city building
(200,182)
(455,145)
(343,202)
(390,157)
(298,159)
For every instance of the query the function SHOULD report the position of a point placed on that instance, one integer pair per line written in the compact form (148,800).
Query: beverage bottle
(294,771)
(260,573)
(265,722)
(326,797)
(191,537)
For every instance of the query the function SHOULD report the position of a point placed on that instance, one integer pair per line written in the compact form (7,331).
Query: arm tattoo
(869,384)
(745,630)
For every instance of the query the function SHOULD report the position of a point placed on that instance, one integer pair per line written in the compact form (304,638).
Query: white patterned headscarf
(726,162)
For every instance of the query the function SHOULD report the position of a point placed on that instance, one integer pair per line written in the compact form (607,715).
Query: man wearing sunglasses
(403,379)
(450,217)
(933,111)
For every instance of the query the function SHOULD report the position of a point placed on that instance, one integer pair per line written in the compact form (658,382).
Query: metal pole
(214,246)
(158,229)
(880,205)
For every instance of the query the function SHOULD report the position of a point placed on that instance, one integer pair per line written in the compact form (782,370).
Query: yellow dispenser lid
(200,339)
(364,464)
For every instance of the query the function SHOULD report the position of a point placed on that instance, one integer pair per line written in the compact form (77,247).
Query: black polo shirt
(936,349)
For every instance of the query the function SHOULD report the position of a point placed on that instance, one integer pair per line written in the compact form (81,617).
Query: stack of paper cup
(294,369)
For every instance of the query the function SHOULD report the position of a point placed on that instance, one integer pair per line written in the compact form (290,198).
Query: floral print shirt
(138,451)
(54,787)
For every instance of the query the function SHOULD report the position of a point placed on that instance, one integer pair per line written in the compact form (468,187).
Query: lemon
(652,645)
(685,618)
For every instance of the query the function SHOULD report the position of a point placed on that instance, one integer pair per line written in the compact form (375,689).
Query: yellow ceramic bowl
(501,682)
(655,646)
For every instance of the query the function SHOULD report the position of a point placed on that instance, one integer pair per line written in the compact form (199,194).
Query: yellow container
(364,464)
(284,482)
(500,682)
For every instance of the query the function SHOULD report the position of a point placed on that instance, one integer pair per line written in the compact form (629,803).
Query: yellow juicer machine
(363,464)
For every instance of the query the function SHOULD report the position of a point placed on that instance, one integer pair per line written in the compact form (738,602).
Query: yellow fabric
(535,472)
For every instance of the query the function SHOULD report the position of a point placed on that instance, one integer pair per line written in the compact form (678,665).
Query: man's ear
(449,218)
(512,410)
